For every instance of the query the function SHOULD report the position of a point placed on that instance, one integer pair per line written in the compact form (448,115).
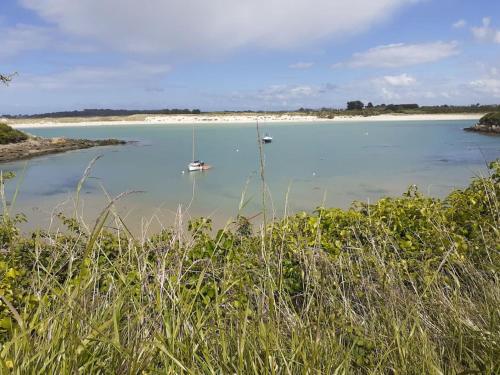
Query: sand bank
(226,118)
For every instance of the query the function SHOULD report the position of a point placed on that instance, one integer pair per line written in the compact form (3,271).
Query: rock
(58,140)
(490,129)
(34,147)
(489,124)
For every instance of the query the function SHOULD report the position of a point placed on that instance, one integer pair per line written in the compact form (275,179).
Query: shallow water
(320,163)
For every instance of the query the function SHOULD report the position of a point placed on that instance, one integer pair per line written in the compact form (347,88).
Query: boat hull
(194,168)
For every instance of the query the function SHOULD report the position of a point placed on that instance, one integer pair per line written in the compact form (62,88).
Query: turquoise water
(318,163)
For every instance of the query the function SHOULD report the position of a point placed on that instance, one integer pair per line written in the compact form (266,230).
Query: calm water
(320,163)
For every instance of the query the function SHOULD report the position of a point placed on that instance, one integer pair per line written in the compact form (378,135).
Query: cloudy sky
(247,54)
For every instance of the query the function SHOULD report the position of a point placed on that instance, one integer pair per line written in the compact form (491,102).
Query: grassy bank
(490,119)
(488,124)
(9,135)
(407,285)
(16,145)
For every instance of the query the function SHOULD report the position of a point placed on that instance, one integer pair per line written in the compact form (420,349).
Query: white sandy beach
(230,118)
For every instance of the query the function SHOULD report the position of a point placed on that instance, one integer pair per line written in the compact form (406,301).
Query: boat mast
(193,144)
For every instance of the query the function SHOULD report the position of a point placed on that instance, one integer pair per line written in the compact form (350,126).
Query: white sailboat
(197,165)
(267,139)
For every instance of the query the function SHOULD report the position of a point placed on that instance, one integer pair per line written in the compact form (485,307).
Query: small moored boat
(198,165)
(267,139)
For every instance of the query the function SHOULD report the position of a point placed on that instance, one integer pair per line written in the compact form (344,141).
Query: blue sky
(247,54)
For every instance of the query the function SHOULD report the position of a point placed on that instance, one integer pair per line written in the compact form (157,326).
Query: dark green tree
(356,104)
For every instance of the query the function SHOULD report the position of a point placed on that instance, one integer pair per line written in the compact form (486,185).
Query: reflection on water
(318,163)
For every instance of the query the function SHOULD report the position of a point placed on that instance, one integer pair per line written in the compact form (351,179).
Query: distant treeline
(357,107)
(109,112)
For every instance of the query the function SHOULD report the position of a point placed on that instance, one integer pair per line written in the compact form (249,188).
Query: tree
(355,105)
(5,79)
(369,105)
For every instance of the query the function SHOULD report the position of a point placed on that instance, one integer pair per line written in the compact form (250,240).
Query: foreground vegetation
(407,285)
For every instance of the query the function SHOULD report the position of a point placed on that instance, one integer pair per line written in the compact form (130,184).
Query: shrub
(407,285)
(9,135)
(492,118)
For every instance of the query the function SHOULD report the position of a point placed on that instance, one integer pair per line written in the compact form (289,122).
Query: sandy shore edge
(221,119)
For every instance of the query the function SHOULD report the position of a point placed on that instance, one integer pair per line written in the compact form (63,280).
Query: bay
(307,165)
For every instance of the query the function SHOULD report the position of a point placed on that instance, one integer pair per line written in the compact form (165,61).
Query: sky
(247,54)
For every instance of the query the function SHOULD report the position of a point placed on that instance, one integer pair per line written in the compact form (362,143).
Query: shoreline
(225,119)
(36,146)
(484,129)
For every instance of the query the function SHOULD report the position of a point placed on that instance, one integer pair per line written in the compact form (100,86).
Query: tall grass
(403,286)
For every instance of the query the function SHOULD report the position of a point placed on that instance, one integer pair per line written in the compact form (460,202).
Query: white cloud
(194,26)
(399,80)
(460,24)
(391,87)
(91,77)
(486,33)
(489,86)
(288,92)
(280,96)
(399,55)
(426,89)
(387,94)
(301,65)
(21,38)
